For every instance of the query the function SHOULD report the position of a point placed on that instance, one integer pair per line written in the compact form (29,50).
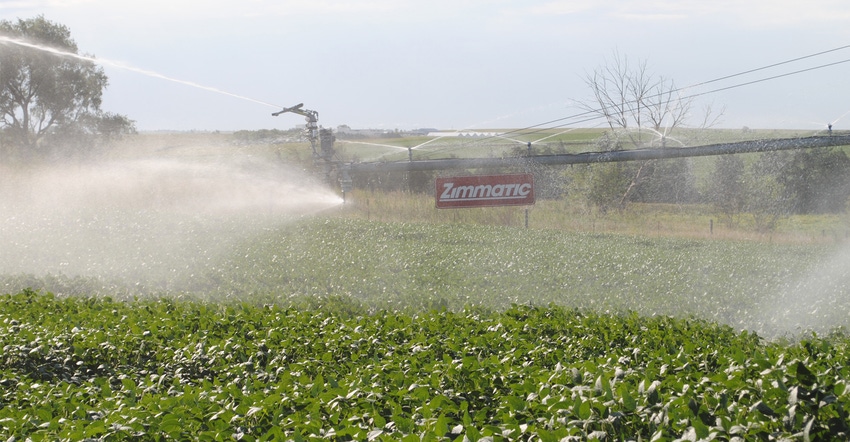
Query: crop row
(76,367)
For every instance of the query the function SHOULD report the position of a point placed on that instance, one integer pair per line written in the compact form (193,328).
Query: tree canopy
(50,102)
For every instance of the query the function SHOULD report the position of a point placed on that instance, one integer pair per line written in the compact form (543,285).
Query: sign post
(484,191)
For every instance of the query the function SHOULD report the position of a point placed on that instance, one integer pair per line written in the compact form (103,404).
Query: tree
(817,180)
(641,110)
(727,191)
(47,100)
(778,184)
(768,200)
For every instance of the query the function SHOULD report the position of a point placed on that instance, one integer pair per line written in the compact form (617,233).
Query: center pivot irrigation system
(322,141)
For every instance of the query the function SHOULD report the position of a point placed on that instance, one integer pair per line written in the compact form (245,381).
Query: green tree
(727,191)
(600,185)
(767,198)
(50,101)
(666,181)
(817,180)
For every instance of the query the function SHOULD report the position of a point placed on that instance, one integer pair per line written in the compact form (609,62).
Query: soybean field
(329,327)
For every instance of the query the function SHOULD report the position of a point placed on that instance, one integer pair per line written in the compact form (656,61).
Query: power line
(767,78)
(770,66)
(596,112)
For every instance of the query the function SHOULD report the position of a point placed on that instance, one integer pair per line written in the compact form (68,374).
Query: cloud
(752,13)
(653,17)
(562,7)
(193,10)
(783,13)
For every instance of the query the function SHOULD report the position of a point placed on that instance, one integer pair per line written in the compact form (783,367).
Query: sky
(452,64)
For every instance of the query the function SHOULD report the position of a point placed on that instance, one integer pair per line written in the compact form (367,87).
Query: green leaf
(700,428)
(379,420)
(763,408)
(804,375)
(629,403)
(583,409)
(441,427)
(95,428)
(515,403)
(170,424)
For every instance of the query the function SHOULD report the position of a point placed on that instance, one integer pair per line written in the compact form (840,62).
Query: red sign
(485,191)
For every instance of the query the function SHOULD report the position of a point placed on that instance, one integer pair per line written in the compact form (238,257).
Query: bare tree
(641,109)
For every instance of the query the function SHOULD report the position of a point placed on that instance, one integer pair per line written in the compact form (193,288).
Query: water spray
(831,123)
(119,65)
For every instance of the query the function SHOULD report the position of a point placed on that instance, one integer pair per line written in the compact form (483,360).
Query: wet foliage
(76,367)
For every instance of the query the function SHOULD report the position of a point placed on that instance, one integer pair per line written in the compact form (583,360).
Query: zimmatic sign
(485,191)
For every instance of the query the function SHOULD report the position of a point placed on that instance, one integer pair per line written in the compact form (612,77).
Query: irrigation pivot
(766,145)
(322,141)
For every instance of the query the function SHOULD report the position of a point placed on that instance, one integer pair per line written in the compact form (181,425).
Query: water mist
(815,302)
(151,224)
